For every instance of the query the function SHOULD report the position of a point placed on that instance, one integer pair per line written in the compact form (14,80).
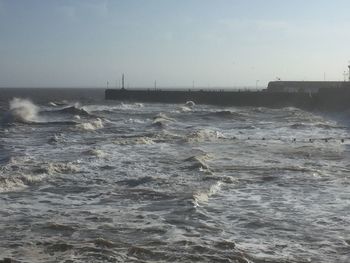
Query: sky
(178,43)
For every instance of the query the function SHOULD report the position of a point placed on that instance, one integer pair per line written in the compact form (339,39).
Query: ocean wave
(54,139)
(21,110)
(58,103)
(130,106)
(58,227)
(26,112)
(189,105)
(185,109)
(102,242)
(136,182)
(113,108)
(18,182)
(227,114)
(58,168)
(47,123)
(53,104)
(95,152)
(202,196)
(74,110)
(133,141)
(199,162)
(161,120)
(223,179)
(205,135)
(298,126)
(91,126)
(167,136)
(328,126)
(149,138)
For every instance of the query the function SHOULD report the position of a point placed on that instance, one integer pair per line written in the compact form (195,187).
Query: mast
(123,81)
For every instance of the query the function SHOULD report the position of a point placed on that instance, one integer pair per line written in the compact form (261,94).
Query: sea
(83,179)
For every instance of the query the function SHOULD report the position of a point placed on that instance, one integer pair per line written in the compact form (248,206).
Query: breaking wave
(205,135)
(202,196)
(227,114)
(161,120)
(21,110)
(199,162)
(18,182)
(61,168)
(190,103)
(91,126)
(133,141)
(188,106)
(74,110)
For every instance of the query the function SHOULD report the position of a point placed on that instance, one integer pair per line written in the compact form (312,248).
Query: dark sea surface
(88,180)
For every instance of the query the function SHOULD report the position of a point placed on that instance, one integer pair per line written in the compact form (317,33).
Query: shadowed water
(88,180)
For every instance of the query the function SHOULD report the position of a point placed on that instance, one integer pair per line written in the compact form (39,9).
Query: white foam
(205,135)
(91,126)
(203,196)
(162,119)
(22,110)
(190,103)
(18,182)
(52,104)
(185,109)
(62,168)
(134,141)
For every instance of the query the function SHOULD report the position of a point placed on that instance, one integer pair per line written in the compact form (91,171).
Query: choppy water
(94,181)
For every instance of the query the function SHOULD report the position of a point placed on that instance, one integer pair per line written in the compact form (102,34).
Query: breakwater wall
(306,86)
(333,99)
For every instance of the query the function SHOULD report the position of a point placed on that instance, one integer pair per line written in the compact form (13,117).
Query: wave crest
(205,135)
(18,182)
(203,196)
(21,110)
(161,120)
(91,126)
(74,110)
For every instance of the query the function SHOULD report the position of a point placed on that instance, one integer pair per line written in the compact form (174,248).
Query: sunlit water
(98,181)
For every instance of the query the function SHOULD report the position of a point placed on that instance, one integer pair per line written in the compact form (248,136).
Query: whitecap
(161,120)
(52,104)
(21,110)
(134,141)
(205,135)
(190,103)
(202,196)
(63,168)
(91,126)
(18,182)
(185,109)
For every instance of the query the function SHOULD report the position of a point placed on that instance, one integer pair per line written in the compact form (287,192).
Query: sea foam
(91,126)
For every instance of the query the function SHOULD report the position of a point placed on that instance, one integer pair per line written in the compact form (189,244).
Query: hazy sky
(211,42)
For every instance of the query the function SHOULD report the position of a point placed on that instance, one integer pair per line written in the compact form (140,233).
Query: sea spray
(21,110)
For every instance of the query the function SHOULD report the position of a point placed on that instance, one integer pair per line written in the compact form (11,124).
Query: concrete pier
(332,96)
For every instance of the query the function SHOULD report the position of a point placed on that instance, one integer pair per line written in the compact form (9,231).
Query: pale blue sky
(211,42)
